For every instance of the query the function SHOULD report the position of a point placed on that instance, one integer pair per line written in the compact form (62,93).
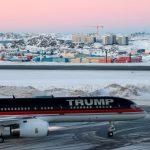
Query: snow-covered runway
(47,78)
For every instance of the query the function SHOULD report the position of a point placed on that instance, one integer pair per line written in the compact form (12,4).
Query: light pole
(106,53)
(130,58)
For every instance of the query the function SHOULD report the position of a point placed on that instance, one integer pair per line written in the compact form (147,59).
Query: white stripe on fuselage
(95,117)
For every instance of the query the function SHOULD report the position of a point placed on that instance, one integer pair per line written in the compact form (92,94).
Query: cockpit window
(134,105)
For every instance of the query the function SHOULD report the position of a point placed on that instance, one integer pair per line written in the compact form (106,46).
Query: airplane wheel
(1,139)
(110,134)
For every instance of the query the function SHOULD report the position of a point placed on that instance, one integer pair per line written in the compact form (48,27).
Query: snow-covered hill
(138,94)
(138,40)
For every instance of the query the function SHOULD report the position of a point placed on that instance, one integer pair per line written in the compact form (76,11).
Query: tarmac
(132,67)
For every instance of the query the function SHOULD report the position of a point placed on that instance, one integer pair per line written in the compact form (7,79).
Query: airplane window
(41,108)
(1,109)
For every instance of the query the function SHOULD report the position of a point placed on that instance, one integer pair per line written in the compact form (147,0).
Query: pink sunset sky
(74,15)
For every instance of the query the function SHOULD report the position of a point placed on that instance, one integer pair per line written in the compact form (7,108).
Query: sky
(73,16)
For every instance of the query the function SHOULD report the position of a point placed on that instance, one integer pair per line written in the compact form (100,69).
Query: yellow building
(69,54)
(75,60)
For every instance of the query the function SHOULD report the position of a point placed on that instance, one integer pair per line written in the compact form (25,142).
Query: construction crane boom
(97,29)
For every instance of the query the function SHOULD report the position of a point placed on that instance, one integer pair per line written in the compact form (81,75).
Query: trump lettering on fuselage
(90,102)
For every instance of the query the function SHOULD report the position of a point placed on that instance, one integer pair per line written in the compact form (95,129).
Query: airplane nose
(142,112)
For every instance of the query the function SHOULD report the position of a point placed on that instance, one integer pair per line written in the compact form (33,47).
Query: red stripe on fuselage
(75,111)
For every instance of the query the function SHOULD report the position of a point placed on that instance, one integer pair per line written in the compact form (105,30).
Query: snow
(97,45)
(142,146)
(146,59)
(48,78)
(134,85)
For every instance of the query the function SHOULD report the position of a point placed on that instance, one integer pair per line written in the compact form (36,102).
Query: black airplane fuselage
(66,105)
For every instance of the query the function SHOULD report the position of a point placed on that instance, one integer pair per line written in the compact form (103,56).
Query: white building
(108,39)
(122,40)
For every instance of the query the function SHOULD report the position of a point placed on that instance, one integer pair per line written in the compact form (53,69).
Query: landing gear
(110,133)
(1,134)
(111,129)
(1,139)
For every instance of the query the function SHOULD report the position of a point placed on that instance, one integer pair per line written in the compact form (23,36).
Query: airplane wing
(8,120)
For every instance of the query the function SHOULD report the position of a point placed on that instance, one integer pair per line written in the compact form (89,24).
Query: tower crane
(97,29)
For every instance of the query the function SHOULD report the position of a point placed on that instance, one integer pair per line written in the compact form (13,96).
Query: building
(76,38)
(108,39)
(68,54)
(122,40)
(87,39)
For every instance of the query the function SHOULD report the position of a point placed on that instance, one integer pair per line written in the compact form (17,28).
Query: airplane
(30,117)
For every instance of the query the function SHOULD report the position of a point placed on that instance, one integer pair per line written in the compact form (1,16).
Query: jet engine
(30,128)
